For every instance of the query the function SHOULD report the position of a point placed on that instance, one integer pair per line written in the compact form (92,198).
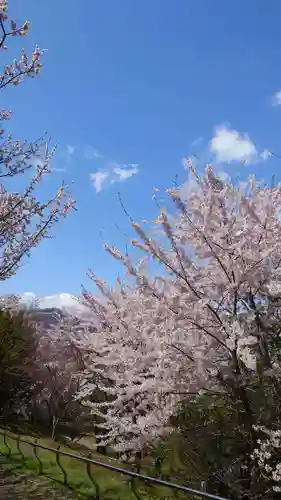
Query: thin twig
(123,207)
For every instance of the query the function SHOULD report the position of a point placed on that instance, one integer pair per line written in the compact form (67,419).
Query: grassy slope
(111,485)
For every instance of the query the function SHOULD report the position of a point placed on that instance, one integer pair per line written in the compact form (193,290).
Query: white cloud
(70,149)
(189,187)
(29,300)
(98,179)
(126,172)
(37,162)
(90,153)
(66,154)
(112,174)
(265,154)
(224,176)
(276,99)
(228,145)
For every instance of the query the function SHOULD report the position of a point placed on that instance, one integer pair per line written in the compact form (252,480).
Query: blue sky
(127,87)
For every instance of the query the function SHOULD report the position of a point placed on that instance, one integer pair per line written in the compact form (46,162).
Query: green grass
(111,485)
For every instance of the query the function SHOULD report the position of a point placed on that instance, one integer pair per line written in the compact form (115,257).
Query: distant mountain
(46,317)
(48,310)
(63,301)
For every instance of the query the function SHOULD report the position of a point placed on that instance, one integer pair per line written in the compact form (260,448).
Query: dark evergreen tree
(17,363)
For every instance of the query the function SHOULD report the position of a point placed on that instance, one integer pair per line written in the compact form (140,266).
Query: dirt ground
(23,487)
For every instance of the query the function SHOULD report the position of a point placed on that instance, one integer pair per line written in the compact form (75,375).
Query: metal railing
(89,464)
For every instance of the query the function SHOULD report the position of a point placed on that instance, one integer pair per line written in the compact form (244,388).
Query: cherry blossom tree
(54,394)
(208,324)
(24,218)
(58,375)
(55,366)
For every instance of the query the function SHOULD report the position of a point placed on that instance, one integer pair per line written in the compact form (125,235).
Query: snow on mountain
(64,302)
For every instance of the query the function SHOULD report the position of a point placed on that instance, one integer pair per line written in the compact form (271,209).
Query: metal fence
(92,466)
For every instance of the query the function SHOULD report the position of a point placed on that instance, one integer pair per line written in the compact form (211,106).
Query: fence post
(93,481)
(19,449)
(6,444)
(60,465)
(40,464)
(204,486)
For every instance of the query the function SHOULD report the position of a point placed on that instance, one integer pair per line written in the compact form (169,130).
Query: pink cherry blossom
(202,324)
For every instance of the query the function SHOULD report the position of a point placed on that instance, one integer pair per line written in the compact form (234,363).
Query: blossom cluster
(24,218)
(26,66)
(267,455)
